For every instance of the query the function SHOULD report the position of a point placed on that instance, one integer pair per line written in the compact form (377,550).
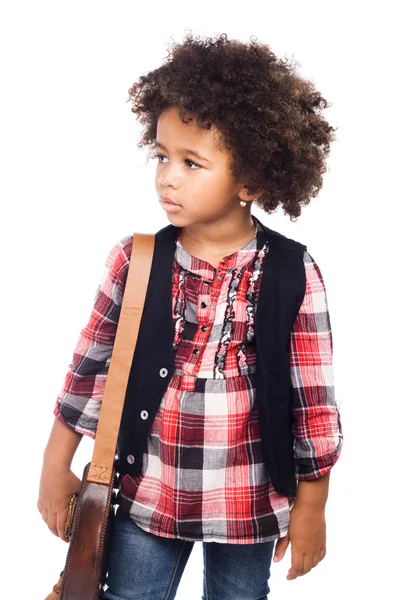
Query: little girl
(230,426)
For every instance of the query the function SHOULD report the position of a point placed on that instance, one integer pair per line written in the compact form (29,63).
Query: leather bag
(89,522)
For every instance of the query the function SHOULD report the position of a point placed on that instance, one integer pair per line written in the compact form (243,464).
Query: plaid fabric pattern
(203,474)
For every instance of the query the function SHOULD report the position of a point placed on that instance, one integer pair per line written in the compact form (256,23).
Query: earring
(243,203)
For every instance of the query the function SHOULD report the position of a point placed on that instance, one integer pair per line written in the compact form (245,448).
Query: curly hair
(268,117)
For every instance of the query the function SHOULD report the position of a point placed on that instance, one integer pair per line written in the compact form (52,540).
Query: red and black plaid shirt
(219,488)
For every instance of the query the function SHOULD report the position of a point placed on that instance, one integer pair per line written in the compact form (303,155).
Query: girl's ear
(246,195)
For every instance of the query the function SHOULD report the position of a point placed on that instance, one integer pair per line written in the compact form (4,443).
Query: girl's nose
(169,175)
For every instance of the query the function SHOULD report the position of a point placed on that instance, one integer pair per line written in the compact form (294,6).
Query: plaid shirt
(207,427)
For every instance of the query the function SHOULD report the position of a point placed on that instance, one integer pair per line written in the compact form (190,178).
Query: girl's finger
(61,518)
(296,568)
(51,523)
(307,563)
(280,548)
(316,559)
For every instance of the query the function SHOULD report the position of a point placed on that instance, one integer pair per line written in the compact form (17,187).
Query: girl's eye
(187,160)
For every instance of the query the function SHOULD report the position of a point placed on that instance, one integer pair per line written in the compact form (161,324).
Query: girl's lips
(169,207)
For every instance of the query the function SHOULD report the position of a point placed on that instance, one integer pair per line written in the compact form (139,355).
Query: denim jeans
(143,566)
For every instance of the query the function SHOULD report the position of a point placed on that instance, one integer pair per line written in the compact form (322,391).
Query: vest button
(130,459)
(163,372)
(203,305)
(144,414)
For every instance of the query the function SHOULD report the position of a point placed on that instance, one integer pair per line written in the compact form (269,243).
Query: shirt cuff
(72,424)
(308,470)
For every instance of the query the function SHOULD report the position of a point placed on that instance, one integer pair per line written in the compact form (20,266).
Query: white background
(73,183)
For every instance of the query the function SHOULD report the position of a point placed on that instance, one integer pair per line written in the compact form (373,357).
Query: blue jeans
(143,566)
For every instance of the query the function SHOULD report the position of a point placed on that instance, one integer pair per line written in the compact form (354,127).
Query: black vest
(281,295)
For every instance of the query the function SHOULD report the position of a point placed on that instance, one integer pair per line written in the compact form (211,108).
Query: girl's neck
(215,241)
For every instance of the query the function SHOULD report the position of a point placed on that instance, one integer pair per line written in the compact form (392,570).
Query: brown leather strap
(121,359)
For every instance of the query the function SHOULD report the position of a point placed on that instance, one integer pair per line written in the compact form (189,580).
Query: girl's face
(200,186)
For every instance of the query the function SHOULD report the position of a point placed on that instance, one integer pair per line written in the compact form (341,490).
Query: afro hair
(268,116)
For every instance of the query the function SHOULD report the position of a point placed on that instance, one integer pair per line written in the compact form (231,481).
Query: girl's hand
(56,488)
(307,535)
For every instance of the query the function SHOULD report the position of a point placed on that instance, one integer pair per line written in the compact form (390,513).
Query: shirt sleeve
(78,404)
(316,421)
